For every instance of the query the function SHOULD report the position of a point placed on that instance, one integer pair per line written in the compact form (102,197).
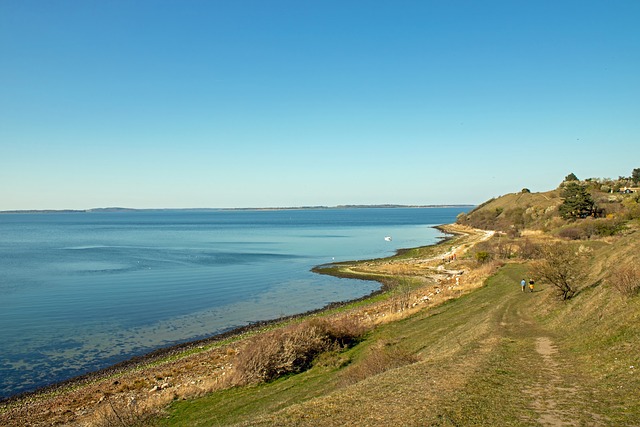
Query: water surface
(81,291)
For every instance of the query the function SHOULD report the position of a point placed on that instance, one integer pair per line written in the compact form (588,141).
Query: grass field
(496,356)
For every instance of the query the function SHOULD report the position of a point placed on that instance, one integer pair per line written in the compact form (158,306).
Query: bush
(483,257)
(515,217)
(292,349)
(605,227)
(505,250)
(123,414)
(572,233)
(562,267)
(632,206)
(626,280)
(529,250)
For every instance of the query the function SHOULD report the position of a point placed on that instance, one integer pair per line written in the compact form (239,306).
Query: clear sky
(256,103)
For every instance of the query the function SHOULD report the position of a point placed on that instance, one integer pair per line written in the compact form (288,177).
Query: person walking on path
(523,284)
(531,282)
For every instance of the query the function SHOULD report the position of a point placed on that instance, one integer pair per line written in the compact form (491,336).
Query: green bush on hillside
(632,206)
(562,211)
(592,227)
(483,257)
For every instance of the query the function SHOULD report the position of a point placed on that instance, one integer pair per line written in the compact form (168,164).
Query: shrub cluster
(591,228)
(292,349)
(482,257)
(626,280)
(504,248)
(123,414)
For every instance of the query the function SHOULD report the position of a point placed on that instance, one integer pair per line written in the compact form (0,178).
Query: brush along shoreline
(195,368)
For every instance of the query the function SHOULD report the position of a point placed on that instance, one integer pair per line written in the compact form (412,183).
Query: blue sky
(291,103)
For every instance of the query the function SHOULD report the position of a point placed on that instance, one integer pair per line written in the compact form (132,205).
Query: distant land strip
(118,209)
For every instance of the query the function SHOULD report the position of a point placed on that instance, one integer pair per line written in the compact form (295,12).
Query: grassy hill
(515,212)
(493,356)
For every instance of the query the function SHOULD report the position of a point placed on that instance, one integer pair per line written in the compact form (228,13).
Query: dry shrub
(344,331)
(572,233)
(562,267)
(485,270)
(529,250)
(380,358)
(121,414)
(626,279)
(292,349)
(401,296)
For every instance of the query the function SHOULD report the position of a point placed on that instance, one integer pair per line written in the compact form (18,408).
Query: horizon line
(346,206)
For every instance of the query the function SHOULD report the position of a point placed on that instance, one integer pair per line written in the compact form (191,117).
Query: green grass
(242,403)
(477,365)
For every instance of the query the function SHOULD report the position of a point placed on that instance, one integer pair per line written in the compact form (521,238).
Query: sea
(81,291)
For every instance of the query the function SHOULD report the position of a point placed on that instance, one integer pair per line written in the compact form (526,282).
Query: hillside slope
(493,357)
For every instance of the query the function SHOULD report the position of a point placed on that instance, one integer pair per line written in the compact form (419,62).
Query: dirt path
(542,395)
(551,378)
(551,395)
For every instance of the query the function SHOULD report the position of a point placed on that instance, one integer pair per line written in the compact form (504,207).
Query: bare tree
(561,266)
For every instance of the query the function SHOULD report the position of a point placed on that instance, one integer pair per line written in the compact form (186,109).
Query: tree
(577,203)
(570,177)
(561,267)
(635,176)
(483,257)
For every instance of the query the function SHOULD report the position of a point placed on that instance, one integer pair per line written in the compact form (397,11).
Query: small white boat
(387,238)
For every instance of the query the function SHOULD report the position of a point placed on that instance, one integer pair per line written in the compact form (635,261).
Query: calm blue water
(82,291)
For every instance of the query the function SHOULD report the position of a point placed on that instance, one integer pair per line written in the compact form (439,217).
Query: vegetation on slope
(577,210)
(496,356)
(493,357)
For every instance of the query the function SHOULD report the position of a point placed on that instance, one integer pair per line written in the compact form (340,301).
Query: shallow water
(81,291)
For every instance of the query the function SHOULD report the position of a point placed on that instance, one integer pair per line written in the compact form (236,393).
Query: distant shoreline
(119,209)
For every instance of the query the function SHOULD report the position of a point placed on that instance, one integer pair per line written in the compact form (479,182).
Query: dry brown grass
(117,413)
(380,358)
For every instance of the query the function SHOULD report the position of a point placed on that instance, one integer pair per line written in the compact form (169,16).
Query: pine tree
(571,177)
(577,203)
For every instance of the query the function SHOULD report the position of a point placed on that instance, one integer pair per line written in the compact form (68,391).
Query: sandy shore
(192,369)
